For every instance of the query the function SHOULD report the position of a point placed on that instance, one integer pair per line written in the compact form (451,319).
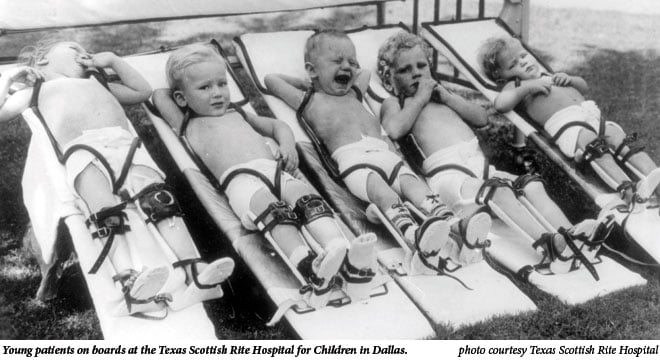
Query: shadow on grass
(628,314)
(626,87)
(14,140)
(68,316)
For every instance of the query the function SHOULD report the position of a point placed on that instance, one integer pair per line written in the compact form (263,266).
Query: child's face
(516,62)
(410,66)
(334,66)
(64,58)
(204,89)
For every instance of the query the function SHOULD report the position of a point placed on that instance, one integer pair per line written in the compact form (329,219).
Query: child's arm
(288,88)
(12,105)
(134,90)
(470,112)
(512,95)
(169,110)
(563,79)
(281,133)
(398,121)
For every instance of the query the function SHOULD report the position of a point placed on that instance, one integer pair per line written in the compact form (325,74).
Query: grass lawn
(621,63)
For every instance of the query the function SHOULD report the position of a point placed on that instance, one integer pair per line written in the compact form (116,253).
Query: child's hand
(425,89)
(540,86)
(24,75)
(99,61)
(561,79)
(440,93)
(289,156)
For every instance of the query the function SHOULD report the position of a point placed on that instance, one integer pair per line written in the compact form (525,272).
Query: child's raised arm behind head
(133,89)
(289,89)
(57,57)
(171,113)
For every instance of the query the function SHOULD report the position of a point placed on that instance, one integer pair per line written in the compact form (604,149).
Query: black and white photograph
(373,170)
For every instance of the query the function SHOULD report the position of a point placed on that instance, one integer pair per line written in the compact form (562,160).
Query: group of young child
(107,168)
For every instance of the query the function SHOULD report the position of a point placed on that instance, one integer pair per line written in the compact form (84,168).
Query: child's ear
(311,71)
(179,99)
(42,61)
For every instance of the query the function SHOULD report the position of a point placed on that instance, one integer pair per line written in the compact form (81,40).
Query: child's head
(403,60)
(197,77)
(55,54)
(504,58)
(331,62)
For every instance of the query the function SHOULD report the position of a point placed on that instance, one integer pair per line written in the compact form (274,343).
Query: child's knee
(585,138)
(614,135)
(294,189)
(94,188)
(379,191)
(260,200)
(411,181)
(469,188)
(409,185)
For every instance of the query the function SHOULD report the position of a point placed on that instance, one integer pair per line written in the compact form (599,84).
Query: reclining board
(50,202)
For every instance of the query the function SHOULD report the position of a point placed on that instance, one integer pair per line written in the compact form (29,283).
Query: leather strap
(194,271)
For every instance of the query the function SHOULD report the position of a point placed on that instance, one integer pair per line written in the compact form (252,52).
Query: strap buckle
(102,232)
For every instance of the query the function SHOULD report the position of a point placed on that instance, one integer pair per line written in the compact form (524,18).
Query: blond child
(369,169)
(230,144)
(454,164)
(556,102)
(88,130)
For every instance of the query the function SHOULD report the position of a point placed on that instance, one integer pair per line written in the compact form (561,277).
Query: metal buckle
(102,232)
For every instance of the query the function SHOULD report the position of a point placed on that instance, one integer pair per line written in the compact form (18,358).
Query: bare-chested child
(454,164)
(369,169)
(231,144)
(556,102)
(90,134)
